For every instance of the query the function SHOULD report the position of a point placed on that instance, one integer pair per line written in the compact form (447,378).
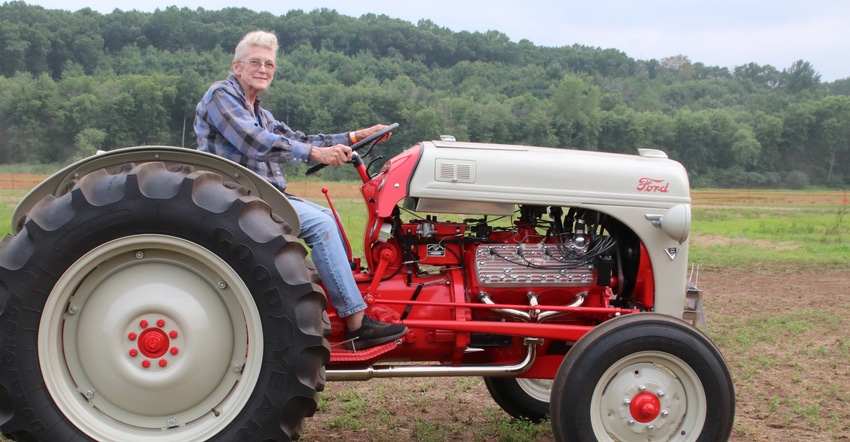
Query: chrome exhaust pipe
(534,315)
(400,371)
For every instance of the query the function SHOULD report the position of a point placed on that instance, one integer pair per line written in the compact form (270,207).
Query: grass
(753,238)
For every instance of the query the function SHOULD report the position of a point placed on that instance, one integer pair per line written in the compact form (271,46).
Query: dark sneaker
(373,333)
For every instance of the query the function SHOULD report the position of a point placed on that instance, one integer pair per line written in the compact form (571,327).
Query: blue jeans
(320,232)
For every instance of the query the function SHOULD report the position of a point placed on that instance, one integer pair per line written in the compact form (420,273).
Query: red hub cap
(153,339)
(153,342)
(645,407)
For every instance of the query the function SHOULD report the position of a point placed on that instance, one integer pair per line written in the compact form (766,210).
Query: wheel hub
(149,354)
(645,407)
(148,340)
(643,399)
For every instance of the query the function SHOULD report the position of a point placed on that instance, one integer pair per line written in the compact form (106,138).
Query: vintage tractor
(161,294)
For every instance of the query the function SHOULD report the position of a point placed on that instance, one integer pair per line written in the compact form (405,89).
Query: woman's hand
(336,155)
(358,135)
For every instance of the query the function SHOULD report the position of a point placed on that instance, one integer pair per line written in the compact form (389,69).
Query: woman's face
(255,69)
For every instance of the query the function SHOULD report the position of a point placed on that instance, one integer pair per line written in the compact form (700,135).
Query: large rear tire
(640,377)
(158,304)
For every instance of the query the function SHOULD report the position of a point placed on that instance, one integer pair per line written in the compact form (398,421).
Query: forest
(75,82)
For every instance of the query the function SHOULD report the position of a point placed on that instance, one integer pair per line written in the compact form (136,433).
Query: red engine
(461,285)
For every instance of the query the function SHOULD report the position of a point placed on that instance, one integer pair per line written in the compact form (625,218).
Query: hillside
(74,82)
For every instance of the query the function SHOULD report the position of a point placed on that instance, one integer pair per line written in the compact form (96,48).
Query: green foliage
(71,82)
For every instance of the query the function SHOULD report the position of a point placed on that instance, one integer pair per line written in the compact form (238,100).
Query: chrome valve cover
(522,265)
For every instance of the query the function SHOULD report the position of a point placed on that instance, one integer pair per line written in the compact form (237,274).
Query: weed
(427,431)
(810,413)
(502,428)
(839,227)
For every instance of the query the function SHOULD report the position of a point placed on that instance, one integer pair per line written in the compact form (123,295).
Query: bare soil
(796,388)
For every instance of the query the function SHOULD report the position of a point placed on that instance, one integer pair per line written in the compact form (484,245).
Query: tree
(800,76)
(576,112)
(679,67)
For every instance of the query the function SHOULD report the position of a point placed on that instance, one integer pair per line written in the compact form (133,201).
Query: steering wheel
(371,139)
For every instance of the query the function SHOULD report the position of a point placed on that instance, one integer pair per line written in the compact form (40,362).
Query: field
(774,270)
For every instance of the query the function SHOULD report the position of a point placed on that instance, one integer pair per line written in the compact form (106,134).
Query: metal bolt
(627,401)
(172,422)
(650,427)
(631,422)
(72,310)
(642,387)
(140,254)
(665,413)
(237,368)
(222,285)
(89,394)
(660,393)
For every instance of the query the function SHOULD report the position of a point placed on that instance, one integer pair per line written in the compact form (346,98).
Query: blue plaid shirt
(228,127)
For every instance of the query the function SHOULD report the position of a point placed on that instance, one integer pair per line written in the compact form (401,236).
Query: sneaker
(372,333)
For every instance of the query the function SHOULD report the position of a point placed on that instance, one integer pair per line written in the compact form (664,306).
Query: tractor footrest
(340,354)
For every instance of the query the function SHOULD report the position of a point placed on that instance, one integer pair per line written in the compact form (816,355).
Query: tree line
(76,82)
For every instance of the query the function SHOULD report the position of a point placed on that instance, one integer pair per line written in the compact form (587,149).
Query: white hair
(255,38)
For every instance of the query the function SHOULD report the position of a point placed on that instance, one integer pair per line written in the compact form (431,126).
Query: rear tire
(158,304)
(639,377)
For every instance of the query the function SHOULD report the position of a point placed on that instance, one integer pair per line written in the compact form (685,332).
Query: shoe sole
(360,345)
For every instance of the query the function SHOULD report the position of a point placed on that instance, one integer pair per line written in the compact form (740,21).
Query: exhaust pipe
(399,371)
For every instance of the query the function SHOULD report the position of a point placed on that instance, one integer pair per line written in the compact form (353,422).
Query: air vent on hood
(454,171)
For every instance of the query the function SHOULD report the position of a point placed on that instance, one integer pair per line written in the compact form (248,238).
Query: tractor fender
(57,183)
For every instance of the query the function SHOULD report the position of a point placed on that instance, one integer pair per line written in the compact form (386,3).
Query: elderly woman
(230,122)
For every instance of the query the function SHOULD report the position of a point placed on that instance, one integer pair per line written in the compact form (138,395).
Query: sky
(724,33)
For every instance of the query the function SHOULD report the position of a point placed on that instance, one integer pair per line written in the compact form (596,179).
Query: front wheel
(158,304)
(522,398)
(643,377)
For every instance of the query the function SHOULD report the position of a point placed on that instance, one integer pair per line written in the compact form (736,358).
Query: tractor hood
(478,178)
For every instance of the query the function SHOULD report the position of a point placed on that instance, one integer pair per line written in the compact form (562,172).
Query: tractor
(161,294)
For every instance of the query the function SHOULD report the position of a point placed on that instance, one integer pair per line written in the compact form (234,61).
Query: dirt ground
(795,388)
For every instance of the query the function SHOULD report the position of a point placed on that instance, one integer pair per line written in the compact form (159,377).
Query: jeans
(320,232)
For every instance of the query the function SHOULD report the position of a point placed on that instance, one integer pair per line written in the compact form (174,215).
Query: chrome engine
(523,265)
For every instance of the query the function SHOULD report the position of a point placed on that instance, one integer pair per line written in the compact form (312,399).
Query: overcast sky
(724,33)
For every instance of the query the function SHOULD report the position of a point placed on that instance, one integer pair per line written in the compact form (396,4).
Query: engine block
(519,265)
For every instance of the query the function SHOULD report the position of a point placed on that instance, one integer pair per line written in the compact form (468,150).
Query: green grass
(782,237)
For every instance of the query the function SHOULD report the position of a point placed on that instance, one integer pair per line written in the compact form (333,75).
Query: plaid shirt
(228,127)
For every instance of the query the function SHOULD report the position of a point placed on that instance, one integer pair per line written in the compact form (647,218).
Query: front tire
(522,398)
(158,304)
(639,377)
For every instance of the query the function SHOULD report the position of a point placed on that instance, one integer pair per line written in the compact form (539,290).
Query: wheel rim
(648,396)
(539,389)
(150,333)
